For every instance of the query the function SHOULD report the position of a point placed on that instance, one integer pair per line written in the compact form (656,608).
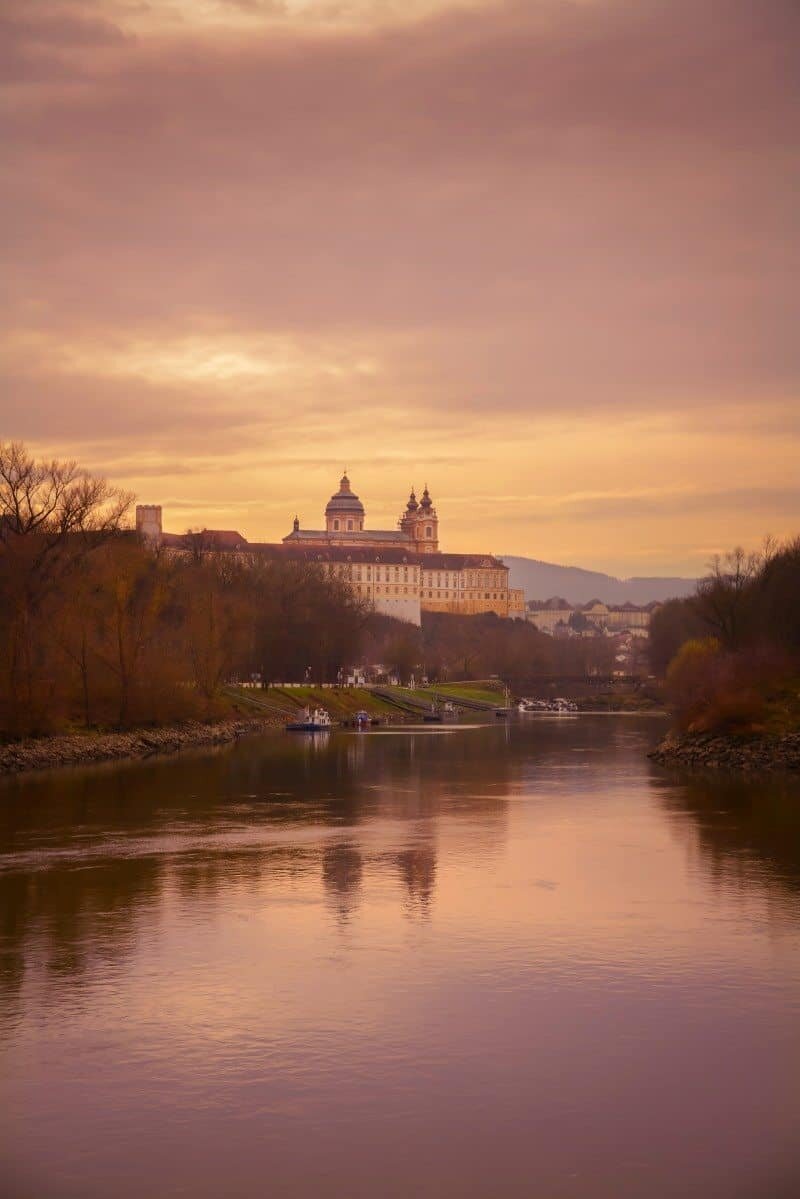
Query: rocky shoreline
(82,749)
(713,751)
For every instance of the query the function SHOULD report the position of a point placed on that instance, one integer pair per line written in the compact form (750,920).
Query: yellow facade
(399,571)
(386,565)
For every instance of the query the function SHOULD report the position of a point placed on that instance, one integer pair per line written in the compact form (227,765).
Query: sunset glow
(540,256)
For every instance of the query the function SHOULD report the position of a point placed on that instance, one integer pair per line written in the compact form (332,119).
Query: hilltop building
(417,528)
(401,571)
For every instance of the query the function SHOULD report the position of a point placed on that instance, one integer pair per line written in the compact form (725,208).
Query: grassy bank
(341,702)
(479,691)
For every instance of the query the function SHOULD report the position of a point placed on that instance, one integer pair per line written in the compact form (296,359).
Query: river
(507,960)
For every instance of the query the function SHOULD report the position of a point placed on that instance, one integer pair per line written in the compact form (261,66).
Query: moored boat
(316,721)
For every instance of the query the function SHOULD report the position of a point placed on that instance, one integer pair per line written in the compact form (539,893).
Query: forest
(98,630)
(730,654)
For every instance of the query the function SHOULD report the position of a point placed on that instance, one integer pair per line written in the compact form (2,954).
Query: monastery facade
(401,572)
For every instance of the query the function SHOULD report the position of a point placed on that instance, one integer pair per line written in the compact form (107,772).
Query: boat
(362,719)
(317,721)
(559,704)
(449,711)
(434,716)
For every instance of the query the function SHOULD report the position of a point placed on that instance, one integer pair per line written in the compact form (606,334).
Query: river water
(507,960)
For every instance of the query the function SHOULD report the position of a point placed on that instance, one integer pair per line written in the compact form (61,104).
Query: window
(428,531)
(349,526)
(336,526)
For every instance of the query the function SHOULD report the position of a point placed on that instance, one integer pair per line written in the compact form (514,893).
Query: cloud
(230,223)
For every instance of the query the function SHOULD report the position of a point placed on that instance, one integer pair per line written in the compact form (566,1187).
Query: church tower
(344,512)
(426,525)
(421,523)
(408,519)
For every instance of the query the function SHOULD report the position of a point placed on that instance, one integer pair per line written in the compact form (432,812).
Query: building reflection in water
(342,873)
(417,868)
(89,856)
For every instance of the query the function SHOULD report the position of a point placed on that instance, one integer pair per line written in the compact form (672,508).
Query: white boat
(318,721)
(547,705)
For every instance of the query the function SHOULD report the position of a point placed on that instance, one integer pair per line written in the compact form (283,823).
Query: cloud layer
(535,249)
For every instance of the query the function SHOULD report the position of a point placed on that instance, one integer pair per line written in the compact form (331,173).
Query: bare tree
(723,598)
(52,514)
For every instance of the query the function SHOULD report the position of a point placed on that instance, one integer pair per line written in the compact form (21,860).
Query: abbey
(401,572)
(417,529)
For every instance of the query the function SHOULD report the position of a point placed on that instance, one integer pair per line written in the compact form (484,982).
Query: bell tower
(426,523)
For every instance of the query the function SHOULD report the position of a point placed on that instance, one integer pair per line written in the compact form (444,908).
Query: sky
(541,255)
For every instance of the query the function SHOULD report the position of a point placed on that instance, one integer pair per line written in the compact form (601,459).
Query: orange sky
(541,254)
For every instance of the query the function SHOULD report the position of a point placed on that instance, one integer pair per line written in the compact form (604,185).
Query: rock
(709,751)
(67,750)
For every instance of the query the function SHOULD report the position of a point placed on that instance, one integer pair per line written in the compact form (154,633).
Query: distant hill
(540,580)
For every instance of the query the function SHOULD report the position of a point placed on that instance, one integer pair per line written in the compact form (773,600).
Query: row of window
(456,595)
(351,527)
(386,574)
(404,590)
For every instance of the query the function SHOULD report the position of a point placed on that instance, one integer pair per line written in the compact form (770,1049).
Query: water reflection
(417,867)
(509,960)
(86,855)
(744,836)
(342,872)
(748,829)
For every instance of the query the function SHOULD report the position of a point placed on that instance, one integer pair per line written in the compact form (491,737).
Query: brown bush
(711,689)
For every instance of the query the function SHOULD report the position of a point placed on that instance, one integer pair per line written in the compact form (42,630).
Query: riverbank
(83,749)
(715,751)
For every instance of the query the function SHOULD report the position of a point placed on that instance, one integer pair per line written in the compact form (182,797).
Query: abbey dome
(417,529)
(344,500)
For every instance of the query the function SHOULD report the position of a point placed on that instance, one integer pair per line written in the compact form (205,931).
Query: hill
(540,580)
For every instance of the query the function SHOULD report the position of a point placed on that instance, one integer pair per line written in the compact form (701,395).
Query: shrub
(711,689)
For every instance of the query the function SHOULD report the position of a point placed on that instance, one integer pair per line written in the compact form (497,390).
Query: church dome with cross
(344,511)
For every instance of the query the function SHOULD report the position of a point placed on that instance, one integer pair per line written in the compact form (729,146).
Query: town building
(556,617)
(401,572)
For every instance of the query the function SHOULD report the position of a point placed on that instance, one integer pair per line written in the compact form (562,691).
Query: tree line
(730,653)
(452,647)
(98,629)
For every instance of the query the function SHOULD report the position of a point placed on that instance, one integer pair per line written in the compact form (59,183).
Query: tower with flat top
(148,522)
